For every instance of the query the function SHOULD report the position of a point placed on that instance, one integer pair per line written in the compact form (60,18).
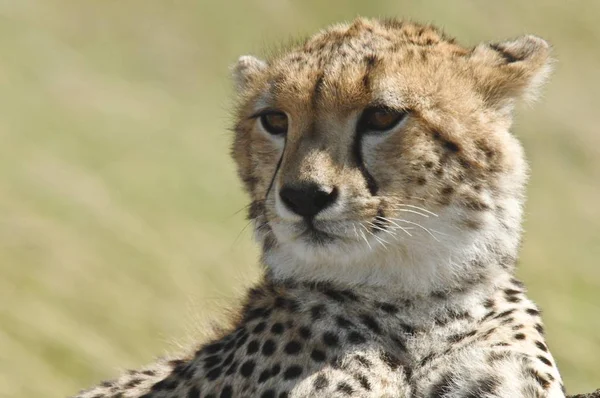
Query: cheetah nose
(307,199)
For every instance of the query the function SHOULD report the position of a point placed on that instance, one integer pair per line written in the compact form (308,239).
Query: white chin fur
(432,258)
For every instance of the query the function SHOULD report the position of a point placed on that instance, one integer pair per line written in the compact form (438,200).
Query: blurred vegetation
(120,234)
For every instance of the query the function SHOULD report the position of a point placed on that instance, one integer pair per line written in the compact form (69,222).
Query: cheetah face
(382,136)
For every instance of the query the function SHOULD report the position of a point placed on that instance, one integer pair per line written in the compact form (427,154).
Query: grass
(120,236)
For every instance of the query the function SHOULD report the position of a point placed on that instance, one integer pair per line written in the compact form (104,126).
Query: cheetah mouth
(314,235)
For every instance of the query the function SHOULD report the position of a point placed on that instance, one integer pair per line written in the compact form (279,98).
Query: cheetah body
(402,284)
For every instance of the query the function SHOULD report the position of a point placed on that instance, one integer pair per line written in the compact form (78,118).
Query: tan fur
(403,285)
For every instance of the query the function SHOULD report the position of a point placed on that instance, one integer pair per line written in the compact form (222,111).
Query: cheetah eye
(379,119)
(274,122)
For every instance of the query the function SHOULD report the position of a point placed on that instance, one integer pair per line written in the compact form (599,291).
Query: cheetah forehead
(349,61)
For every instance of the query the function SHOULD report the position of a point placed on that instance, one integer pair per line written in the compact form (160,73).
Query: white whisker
(420,208)
(394,223)
(417,225)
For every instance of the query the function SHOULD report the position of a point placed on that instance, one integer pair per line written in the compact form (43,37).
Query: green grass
(120,235)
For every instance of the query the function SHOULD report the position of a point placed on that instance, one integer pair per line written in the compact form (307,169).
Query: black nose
(307,200)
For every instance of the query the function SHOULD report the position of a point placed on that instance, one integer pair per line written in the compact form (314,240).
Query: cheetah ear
(246,70)
(511,69)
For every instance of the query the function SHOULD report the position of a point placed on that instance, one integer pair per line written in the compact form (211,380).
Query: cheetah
(387,194)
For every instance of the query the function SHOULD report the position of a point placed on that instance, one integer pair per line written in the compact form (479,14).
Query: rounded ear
(511,69)
(246,70)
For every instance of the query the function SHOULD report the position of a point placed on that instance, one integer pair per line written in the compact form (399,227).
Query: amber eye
(276,123)
(380,119)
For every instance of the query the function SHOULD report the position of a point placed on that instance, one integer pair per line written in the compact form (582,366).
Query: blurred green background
(120,230)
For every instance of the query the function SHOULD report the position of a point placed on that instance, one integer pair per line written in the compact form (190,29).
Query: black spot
(229,359)
(519,336)
(363,361)
(532,311)
(488,315)
(247,368)
(343,322)
(275,369)
(211,361)
(363,381)
(544,360)
(241,339)
(390,360)
(345,388)
(389,308)
(283,394)
(318,355)
(148,372)
(277,328)
(485,335)
(371,323)
(305,332)
(268,394)
(483,387)
(442,387)
(408,329)
(292,372)
(317,311)
(355,337)
(193,392)
(252,347)
(214,373)
(541,380)
(227,392)
(268,348)
(505,313)
(541,346)
(293,347)
(230,344)
(132,383)
(513,299)
(426,359)
(455,338)
(539,328)
(259,328)
(320,382)
(255,313)
(264,375)
(511,292)
(330,339)
(231,370)
(518,327)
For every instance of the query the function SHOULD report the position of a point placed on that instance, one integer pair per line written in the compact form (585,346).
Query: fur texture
(400,283)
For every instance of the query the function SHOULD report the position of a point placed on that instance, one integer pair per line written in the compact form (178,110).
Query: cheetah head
(379,152)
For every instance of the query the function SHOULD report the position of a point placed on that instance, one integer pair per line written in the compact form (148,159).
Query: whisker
(421,209)
(380,240)
(410,211)
(365,238)
(419,226)
(373,225)
(396,224)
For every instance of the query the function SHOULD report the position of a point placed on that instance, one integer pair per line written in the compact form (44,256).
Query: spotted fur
(402,285)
